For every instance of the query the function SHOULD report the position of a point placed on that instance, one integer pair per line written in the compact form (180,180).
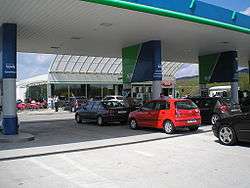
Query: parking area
(60,129)
(66,154)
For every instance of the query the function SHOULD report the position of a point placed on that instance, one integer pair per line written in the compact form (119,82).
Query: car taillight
(224,108)
(197,111)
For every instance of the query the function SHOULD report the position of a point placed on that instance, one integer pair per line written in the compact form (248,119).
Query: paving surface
(160,160)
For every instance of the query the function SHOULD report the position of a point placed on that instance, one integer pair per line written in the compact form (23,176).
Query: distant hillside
(190,85)
(190,77)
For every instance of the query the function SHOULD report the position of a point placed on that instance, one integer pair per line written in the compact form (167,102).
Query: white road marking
(57,172)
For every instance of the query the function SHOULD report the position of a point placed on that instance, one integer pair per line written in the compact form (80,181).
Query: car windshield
(111,104)
(185,105)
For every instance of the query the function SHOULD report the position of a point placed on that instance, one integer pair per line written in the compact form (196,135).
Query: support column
(8,74)
(102,91)
(142,62)
(234,93)
(116,89)
(235,86)
(49,92)
(68,92)
(157,70)
(156,88)
(86,90)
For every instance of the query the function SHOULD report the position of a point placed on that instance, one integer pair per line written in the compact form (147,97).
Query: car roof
(168,100)
(206,98)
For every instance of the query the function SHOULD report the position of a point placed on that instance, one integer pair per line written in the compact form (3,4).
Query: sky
(30,65)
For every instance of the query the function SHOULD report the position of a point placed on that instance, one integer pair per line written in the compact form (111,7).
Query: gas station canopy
(74,69)
(101,28)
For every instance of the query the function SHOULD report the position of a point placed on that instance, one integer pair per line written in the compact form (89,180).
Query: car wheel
(78,118)
(214,119)
(100,121)
(227,135)
(193,128)
(168,127)
(133,124)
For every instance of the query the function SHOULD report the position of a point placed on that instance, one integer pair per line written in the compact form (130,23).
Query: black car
(233,129)
(214,108)
(102,112)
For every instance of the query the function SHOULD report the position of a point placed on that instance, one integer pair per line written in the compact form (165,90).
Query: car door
(161,113)
(145,114)
(94,110)
(85,114)
(243,126)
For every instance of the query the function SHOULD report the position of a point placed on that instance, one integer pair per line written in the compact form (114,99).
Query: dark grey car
(102,112)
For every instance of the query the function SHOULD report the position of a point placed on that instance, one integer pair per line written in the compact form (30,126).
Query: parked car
(113,98)
(102,112)
(21,106)
(167,115)
(232,129)
(213,109)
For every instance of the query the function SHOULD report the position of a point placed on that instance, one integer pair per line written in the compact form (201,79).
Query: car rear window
(111,104)
(185,105)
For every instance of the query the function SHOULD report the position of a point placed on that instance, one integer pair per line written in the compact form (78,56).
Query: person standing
(56,103)
(130,103)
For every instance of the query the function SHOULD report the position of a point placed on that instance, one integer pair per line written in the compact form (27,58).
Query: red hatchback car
(166,115)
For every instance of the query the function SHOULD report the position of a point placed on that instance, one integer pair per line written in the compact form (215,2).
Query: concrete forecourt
(122,157)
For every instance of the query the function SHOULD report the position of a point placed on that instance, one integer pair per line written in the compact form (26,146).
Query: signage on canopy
(168,83)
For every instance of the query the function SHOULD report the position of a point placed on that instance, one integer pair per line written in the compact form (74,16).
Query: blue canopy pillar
(8,33)
(220,67)
(142,62)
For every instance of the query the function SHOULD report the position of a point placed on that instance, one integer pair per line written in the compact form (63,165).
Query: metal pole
(156,89)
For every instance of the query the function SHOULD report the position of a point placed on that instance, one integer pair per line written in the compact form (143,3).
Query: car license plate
(122,112)
(192,121)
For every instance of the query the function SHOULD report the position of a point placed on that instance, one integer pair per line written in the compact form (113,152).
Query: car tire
(100,121)
(214,119)
(193,128)
(78,118)
(168,127)
(133,124)
(227,135)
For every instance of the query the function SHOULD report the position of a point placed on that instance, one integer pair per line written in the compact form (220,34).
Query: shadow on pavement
(57,132)
(241,144)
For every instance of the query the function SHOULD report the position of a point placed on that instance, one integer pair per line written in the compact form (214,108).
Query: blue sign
(148,66)
(8,50)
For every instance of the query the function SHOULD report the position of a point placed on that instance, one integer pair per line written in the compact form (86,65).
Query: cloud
(188,70)
(30,64)
(246,12)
